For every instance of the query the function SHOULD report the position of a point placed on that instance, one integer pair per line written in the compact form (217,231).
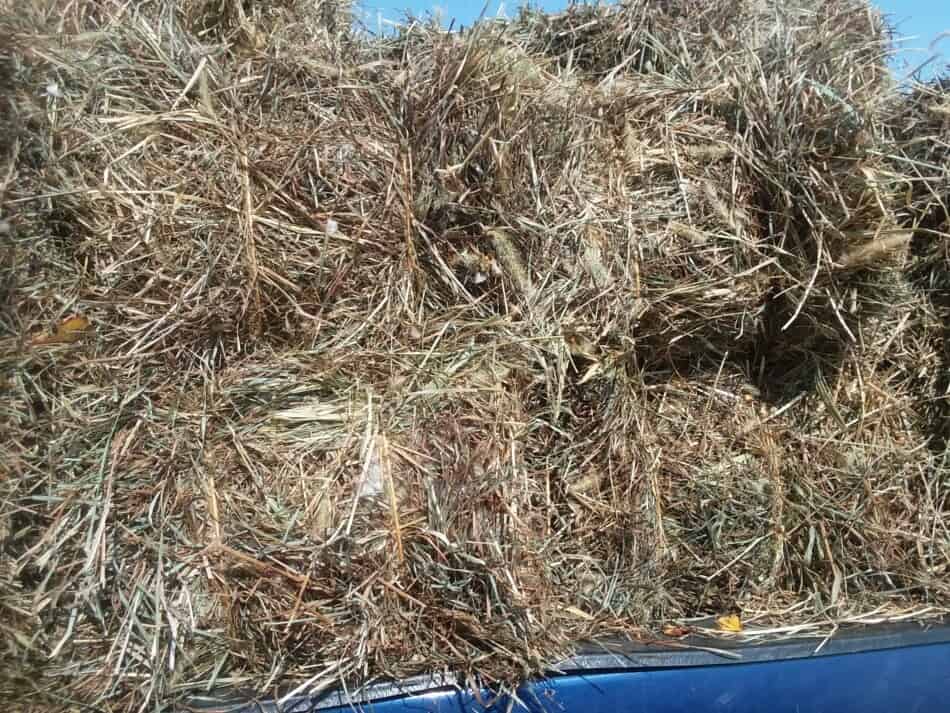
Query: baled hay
(923,128)
(329,357)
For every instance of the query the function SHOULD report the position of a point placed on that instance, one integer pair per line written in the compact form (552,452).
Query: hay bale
(922,126)
(446,351)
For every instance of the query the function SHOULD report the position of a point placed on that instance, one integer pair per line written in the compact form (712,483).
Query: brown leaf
(675,630)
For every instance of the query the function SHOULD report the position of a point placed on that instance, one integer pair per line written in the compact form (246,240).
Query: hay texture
(328,356)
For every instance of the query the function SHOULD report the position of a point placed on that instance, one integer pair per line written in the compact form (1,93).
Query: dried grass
(443,352)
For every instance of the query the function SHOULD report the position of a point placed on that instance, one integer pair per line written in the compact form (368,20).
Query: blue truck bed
(876,669)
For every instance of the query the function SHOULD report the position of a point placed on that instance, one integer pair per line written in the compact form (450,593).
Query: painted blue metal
(894,681)
(878,671)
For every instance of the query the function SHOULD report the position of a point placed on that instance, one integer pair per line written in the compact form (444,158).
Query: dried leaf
(675,630)
(731,623)
(574,611)
(42,339)
(70,330)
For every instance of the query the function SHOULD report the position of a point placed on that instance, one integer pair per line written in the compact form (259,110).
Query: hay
(924,158)
(329,357)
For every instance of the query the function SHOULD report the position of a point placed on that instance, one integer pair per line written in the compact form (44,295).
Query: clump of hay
(328,357)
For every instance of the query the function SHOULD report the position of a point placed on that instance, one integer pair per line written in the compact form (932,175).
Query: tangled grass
(329,356)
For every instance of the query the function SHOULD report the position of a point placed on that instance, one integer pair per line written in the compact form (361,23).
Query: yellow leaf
(732,623)
(71,329)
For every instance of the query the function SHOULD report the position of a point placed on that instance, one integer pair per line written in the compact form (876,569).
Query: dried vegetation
(328,356)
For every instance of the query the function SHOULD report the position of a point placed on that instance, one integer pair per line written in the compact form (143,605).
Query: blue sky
(920,21)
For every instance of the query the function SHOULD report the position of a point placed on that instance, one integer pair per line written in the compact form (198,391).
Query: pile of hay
(328,356)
